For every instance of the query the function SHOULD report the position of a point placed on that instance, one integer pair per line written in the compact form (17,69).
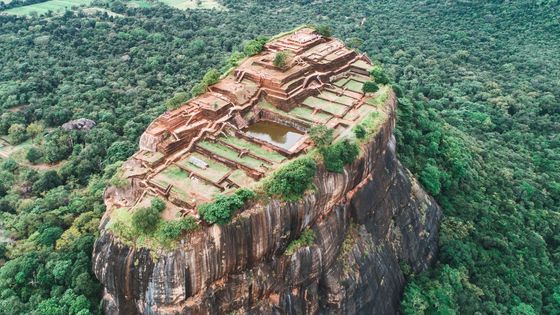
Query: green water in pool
(274,133)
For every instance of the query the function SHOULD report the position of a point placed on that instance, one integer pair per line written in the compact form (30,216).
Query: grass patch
(184,186)
(270,107)
(18,152)
(380,97)
(343,99)
(304,114)
(214,172)
(230,154)
(139,4)
(180,194)
(255,149)
(44,7)
(118,180)
(173,173)
(150,157)
(333,108)
(363,65)
(355,86)
(341,82)
(360,112)
(306,238)
(165,234)
(368,126)
(240,178)
(307,114)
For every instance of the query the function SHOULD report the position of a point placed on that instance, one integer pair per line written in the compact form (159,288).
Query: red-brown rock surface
(368,221)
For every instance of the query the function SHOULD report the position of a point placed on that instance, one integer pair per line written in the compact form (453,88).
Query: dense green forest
(479,125)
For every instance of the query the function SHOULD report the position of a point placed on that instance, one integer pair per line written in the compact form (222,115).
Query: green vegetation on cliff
(145,229)
(145,219)
(306,238)
(222,209)
(335,155)
(478,124)
(292,180)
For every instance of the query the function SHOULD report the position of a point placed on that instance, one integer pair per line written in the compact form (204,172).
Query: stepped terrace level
(251,122)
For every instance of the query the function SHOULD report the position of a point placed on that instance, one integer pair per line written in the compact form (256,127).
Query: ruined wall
(368,221)
(283,120)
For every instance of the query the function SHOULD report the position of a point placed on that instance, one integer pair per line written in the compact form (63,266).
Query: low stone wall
(283,120)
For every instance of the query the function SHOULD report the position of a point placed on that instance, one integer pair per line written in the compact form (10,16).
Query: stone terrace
(235,133)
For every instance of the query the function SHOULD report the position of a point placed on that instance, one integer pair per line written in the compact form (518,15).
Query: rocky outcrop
(79,124)
(369,221)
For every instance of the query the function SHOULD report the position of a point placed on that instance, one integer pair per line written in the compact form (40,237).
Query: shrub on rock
(280,59)
(255,46)
(379,75)
(323,30)
(145,220)
(291,181)
(223,207)
(171,230)
(370,87)
(340,154)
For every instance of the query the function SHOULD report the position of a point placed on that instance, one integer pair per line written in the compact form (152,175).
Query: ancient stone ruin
(251,121)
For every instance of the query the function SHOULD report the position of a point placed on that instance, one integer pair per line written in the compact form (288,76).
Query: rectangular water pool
(279,135)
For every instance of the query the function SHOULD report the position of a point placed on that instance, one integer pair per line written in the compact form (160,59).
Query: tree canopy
(478,124)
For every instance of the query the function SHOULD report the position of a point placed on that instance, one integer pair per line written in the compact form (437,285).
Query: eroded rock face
(368,221)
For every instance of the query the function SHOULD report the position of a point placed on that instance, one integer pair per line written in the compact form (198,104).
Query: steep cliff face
(368,221)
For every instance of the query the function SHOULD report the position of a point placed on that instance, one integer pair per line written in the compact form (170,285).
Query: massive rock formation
(369,221)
